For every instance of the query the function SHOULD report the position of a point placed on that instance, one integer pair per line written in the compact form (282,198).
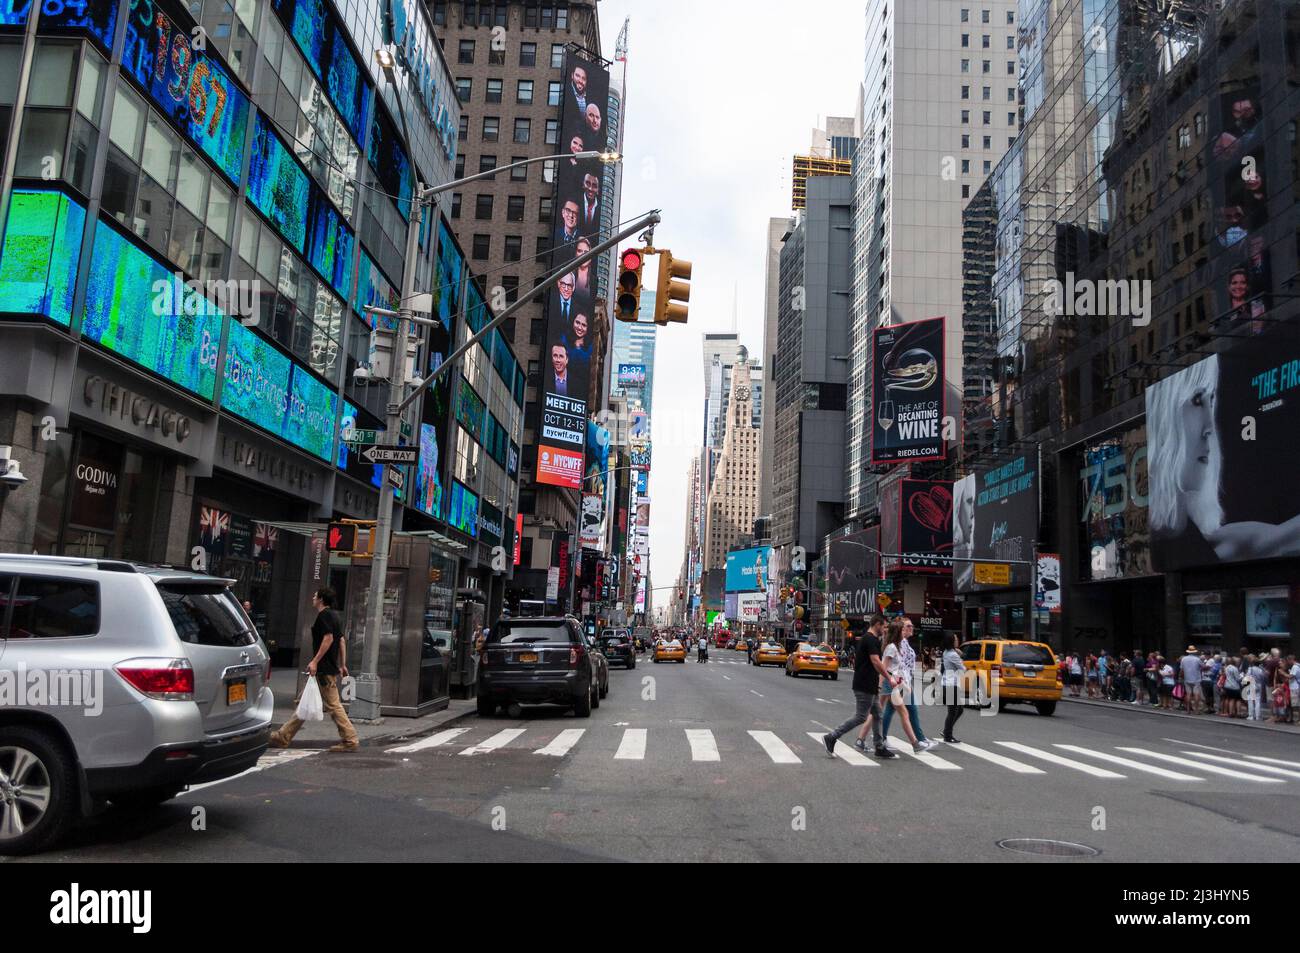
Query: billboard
(430,494)
(1113,497)
(595,483)
(747,569)
(567,353)
(1221,439)
(995,517)
(925,525)
(730,607)
(631,375)
(854,566)
(40,254)
(907,392)
(750,606)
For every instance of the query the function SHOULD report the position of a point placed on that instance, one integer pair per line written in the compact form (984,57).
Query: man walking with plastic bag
(320,697)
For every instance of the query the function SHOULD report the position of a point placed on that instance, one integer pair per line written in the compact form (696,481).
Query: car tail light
(160,678)
(268,671)
(575,655)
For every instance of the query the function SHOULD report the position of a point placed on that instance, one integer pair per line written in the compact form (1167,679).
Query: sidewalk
(1145,708)
(322,734)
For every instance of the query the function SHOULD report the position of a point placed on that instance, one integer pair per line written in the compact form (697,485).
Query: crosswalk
(767,747)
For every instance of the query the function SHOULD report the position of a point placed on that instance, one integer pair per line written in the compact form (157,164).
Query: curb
(413,729)
(1203,719)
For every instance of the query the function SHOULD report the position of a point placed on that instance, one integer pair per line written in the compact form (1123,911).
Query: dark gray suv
(149,679)
(545,660)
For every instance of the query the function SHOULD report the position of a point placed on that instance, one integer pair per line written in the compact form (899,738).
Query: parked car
(157,679)
(616,645)
(543,660)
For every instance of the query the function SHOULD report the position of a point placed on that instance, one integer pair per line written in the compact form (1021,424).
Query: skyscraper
(732,502)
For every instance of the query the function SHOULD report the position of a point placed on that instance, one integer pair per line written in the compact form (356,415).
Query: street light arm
(433,190)
(651,219)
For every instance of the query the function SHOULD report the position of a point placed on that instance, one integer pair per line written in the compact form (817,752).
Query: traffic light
(673,291)
(341,538)
(628,303)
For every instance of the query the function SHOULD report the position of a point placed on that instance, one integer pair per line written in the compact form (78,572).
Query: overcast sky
(720,95)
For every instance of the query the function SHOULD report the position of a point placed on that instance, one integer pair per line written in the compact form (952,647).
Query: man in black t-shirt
(868,670)
(329,662)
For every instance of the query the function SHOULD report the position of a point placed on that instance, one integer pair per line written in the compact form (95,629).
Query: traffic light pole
(366,708)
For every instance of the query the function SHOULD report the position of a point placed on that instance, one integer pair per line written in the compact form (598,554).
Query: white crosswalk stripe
(1267,769)
(433,741)
(1129,763)
(632,747)
(1011,764)
(845,751)
(500,739)
(703,746)
(272,758)
(776,749)
(922,756)
(1213,769)
(1260,757)
(563,742)
(1057,759)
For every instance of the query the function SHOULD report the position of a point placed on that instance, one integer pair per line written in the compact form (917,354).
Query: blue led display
(99,17)
(309,422)
(40,254)
(319,35)
(389,160)
(464,510)
(130,310)
(189,86)
(278,186)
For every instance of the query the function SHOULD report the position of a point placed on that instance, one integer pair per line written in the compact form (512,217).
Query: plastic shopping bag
(310,706)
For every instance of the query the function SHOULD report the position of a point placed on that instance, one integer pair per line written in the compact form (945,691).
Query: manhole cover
(1048,848)
(343,761)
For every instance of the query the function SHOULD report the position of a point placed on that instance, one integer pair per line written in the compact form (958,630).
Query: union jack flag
(213,523)
(265,536)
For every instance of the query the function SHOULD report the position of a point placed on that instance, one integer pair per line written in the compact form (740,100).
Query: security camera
(361,374)
(11,475)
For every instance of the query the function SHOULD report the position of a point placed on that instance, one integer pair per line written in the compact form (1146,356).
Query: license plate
(527,656)
(237,692)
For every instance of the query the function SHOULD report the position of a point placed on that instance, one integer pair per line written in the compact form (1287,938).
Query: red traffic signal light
(628,302)
(632,258)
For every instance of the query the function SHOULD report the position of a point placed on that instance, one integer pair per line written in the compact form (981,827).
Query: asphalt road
(690,762)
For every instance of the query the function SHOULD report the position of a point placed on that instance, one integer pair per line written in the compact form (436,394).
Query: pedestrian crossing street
(1174,762)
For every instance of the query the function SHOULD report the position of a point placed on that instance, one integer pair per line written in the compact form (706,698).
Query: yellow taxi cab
(769,653)
(670,651)
(815,659)
(1013,671)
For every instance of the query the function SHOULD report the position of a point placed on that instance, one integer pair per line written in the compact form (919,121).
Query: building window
(514,247)
(462,133)
(988,142)
(530,15)
(527,54)
(523,128)
(511,284)
(545,209)
(554,90)
(1011,67)
(460,166)
(965,15)
(483,206)
(965,92)
(1011,42)
(965,116)
(1011,94)
(986,66)
(520,174)
(465,54)
(965,166)
(496,57)
(440,13)
(543,245)
(482,247)
(487,163)
(491,128)
(515,208)
(455,205)
(988,93)
(965,141)
(537,331)
(987,117)
(965,66)
(557,56)
(965,39)
(524,91)
(1011,119)
(965,191)
(984,41)
(1011,17)
(552,132)
(1011,141)
(988,166)
(493,91)
(464,88)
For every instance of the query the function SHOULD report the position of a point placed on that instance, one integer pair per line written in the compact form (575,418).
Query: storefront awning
(437,539)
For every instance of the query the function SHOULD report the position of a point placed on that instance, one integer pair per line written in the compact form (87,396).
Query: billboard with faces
(571,304)
(1221,439)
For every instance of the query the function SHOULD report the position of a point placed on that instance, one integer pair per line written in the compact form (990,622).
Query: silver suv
(119,683)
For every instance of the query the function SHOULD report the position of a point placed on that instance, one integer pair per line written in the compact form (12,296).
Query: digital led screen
(319,36)
(464,510)
(97,16)
(747,569)
(389,159)
(41,251)
(278,186)
(995,517)
(121,314)
(373,289)
(429,488)
(451,265)
(256,384)
(348,459)
(312,408)
(190,86)
(470,410)
(330,249)
(907,386)
(476,312)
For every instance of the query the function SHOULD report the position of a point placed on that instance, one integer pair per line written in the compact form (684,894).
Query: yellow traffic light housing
(628,303)
(673,291)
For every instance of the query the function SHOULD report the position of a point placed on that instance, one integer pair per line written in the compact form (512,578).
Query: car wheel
(582,707)
(145,798)
(835,677)
(37,793)
(486,707)
(595,696)
(1045,708)
(1002,705)
(604,687)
